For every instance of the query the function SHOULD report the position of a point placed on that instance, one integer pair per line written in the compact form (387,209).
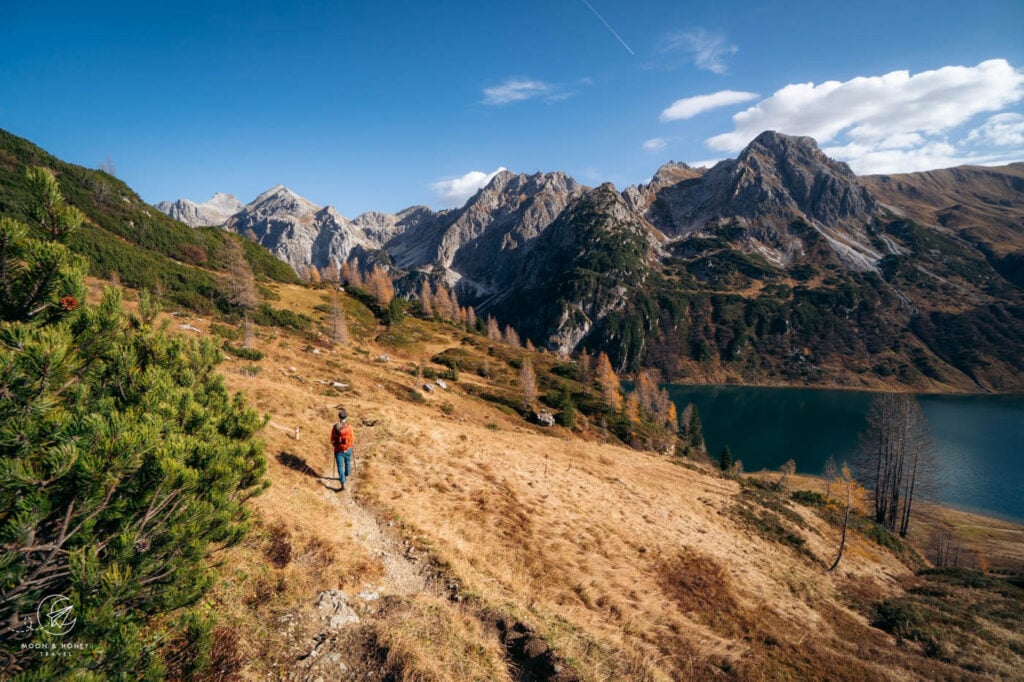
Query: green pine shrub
(124,462)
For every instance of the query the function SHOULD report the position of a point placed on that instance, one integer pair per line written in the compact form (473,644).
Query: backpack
(342,437)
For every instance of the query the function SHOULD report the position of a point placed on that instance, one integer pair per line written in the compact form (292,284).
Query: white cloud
(896,122)
(866,160)
(688,107)
(518,89)
(1004,130)
(872,109)
(456,191)
(709,50)
(655,144)
(515,90)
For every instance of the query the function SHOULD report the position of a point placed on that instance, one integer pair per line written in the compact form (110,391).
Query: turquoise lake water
(979,440)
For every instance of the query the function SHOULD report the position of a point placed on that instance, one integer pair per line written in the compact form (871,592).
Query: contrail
(609,27)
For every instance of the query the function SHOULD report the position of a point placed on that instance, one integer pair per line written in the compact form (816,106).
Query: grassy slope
(626,565)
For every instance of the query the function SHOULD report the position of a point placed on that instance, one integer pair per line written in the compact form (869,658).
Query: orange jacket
(342,437)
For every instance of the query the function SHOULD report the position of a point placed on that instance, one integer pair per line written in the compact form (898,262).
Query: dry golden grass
(624,564)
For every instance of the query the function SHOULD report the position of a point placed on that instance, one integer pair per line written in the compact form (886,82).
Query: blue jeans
(344,459)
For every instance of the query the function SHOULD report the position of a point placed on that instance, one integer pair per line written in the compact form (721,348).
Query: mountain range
(778,266)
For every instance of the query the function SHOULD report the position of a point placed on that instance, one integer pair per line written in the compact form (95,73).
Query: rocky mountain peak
(777,172)
(508,185)
(216,211)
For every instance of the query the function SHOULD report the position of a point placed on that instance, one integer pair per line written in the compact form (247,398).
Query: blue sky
(383,105)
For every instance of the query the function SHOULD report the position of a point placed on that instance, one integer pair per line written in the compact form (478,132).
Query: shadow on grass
(296,463)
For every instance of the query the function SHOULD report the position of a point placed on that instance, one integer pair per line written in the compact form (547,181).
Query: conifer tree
(673,417)
(695,430)
(493,330)
(426,299)
(352,274)
(240,285)
(725,459)
(609,382)
(511,337)
(379,285)
(441,302)
(585,370)
(330,273)
(123,460)
(647,391)
(567,415)
(470,319)
(830,472)
(631,409)
(528,380)
(453,302)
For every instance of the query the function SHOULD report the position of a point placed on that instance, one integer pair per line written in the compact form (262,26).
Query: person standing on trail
(343,440)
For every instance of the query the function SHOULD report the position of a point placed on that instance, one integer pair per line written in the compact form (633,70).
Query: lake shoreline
(851,389)
(976,437)
(999,540)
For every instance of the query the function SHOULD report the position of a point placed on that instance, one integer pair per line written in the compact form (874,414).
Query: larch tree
(454,305)
(673,417)
(351,274)
(511,336)
(426,299)
(830,472)
(631,408)
(787,470)
(585,372)
(442,304)
(853,493)
(493,330)
(240,285)
(330,273)
(608,380)
(470,319)
(379,285)
(124,462)
(647,391)
(528,381)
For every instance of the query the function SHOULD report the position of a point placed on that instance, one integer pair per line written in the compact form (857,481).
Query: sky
(385,105)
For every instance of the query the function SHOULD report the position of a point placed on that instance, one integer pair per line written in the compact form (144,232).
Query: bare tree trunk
(846,523)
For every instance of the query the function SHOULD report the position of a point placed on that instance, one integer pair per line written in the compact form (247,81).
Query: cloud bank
(688,107)
(456,191)
(896,122)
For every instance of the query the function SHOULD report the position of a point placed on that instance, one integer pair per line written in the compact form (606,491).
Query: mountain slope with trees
(778,267)
(123,236)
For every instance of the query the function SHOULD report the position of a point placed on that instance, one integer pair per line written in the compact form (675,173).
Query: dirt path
(403,576)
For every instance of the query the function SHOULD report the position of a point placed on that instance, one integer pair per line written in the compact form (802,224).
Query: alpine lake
(979,439)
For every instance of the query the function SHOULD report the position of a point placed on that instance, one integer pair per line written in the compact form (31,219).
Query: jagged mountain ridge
(215,211)
(778,266)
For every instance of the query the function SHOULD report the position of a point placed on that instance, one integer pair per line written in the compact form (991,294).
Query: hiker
(342,440)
